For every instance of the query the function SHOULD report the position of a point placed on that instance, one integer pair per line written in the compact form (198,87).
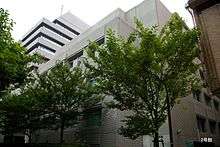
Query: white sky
(26,13)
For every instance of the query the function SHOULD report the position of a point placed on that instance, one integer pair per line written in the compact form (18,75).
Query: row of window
(202,124)
(48,38)
(207,99)
(43,24)
(40,34)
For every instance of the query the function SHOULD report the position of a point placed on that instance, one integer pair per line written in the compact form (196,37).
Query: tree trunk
(170,122)
(156,139)
(29,134)
(61,131)
(30,137)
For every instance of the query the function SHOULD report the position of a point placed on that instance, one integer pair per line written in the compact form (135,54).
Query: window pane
(208,100)
(93,118)
(212,127)
(216,105)
(201,124)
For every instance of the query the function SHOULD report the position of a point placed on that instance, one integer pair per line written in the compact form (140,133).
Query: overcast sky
(27,13)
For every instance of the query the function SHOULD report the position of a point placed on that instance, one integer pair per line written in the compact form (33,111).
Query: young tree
(14,69)
(13,58)
(63,93)
(146,73)
(20,113)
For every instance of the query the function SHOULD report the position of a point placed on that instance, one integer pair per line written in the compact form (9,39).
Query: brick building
(207,17)
(197,117)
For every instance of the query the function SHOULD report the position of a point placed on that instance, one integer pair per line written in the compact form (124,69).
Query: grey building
(100,128)
(150,12)
(101,124)
(48,38)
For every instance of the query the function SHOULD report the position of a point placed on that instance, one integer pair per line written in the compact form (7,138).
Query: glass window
(75,60)
(201,122)
(212,127)
(46,50)
(216,105)
(219,128)
(100,41)
(49,40)
(94,145)
(201,74)
(196,95)
(208,100)
(93,118)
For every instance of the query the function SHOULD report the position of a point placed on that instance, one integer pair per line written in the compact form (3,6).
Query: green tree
(14,70)
(20,113)
(63,93)
(146,72)
(13,58)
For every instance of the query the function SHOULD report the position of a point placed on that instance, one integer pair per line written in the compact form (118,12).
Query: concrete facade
(185,115)
(150,12)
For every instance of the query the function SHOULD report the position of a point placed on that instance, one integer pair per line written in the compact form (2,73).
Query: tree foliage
(14,70)
(52,100)
(13,58)
(20,113)
(63,93)
(146,72)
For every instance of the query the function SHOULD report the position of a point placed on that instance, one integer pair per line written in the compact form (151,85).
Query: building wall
(184,120)
(207,16)
(163,13)
(210,20)
(106,135)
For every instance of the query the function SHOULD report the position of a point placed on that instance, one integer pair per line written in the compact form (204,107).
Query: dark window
(201,124)
(44,59)
(216,105)
(201,74)
(46,36)
(72,60)
(100,41)
(212,127)
(93,118)
(93,82)
(33,68)
(40,45)
(219,128)
(196,95)
(94,145)
(208,100)
(75,59)
(75,62)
